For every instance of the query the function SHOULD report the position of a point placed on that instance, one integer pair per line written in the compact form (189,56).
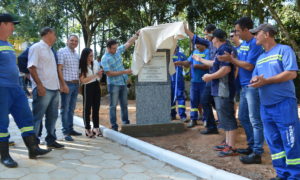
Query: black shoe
(69,138)
(251,159)
(126,122)
(245,151)
(74,133)
(276,178)
(33,148)
(173,118)
(193,123)
(115,129)
(209,131)
(6,160)
(55,145)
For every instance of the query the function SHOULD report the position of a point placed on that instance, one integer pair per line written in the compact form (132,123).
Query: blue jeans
(249,116)
(118,93)
(68,104)
(45,105)
(207,101)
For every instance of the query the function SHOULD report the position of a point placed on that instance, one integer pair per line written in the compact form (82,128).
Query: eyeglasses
(208,34)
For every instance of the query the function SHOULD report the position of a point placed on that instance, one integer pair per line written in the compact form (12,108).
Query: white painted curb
(195,167)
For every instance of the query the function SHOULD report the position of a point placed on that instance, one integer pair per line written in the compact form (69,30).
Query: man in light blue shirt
(273,75)
(117,77)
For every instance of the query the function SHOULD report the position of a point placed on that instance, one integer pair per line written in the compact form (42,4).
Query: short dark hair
(220,34)
(72,35)
(111,42)
(210,28)
(45,30)
(245,22)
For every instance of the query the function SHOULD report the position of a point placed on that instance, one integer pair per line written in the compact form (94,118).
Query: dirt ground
(196,146)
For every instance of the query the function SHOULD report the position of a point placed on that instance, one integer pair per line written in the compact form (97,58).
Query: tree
(89,13)
(278,20)
(34,15)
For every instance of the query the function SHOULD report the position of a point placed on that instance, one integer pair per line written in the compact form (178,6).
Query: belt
(73,81)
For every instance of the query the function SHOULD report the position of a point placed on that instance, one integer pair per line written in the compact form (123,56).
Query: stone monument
(153,99)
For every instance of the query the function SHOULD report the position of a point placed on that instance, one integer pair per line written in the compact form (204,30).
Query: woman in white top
(89,75)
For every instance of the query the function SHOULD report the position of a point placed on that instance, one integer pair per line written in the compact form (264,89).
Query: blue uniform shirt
(277,60)
(113,62)
(223,87)
(196,74)
(9,73)
(248,52)
(179,70)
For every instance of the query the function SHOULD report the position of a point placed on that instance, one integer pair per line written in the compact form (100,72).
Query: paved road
(87,158)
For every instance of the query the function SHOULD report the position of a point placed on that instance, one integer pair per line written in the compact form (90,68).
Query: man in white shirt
(45,85)
(68,65)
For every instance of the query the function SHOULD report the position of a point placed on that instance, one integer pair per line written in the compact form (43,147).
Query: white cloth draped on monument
(151,38)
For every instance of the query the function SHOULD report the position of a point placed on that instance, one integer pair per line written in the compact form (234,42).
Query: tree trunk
(279,22)
(87,36)
(102,40)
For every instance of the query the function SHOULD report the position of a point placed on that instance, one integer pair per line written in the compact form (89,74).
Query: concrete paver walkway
(87,158)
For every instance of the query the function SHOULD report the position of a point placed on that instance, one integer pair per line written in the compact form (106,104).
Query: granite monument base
(151,130)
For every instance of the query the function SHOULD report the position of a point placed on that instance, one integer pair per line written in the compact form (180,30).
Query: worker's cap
(8,18)
(265,28)
(201,41)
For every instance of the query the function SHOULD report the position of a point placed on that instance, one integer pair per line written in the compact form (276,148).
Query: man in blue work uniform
(273,75)
(12,98)
(177,91)
(207,100)
(197,71)
(249,115)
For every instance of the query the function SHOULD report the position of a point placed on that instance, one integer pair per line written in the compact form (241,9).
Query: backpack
(23,60)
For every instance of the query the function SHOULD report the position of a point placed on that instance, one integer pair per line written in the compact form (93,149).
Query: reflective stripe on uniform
(293,161)
(4,135)
(175,57)
(244,48)
(194,109)
(26,129)
(278,155)
(270,58)
(200,55)
(181,106)
(6,48)
(173,107)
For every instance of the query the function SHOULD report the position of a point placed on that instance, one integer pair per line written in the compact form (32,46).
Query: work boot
(193,123)
(6,160)
(251,159)
(33,148)
(246,151)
